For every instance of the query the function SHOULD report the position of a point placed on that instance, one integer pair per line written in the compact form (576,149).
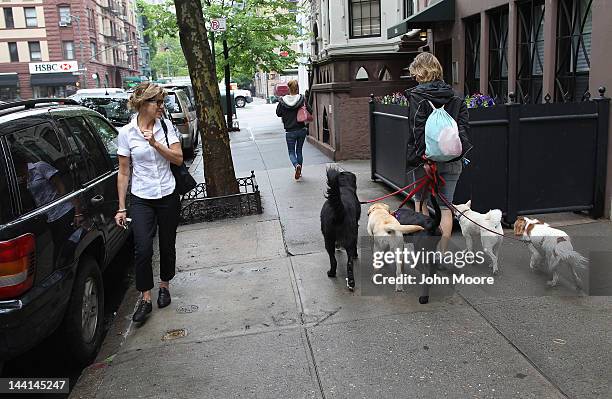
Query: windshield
(114,109)
(172,104)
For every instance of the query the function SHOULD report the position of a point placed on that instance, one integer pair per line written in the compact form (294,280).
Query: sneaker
(298,171)
(144,308)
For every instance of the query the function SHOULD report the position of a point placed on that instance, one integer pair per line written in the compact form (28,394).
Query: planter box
(197,207)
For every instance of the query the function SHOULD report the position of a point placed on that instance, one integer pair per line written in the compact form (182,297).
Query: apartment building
(51,48)
(541,50)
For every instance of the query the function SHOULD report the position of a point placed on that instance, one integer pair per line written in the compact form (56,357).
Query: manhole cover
(174,334)
(187,309)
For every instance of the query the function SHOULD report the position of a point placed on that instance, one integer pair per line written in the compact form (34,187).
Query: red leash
(393,193)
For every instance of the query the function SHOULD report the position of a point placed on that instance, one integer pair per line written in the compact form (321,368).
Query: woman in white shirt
(153,198)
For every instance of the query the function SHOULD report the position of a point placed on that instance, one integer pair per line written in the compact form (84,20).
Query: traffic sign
(218,25)
(284,53)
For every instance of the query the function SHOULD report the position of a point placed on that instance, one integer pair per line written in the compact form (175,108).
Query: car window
(42,170)
(5,200)
(172,104)
(108,134)
(114,109)
(91,159)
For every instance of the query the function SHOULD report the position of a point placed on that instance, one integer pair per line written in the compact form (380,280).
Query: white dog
(555,244)
(388,233)
(491,243)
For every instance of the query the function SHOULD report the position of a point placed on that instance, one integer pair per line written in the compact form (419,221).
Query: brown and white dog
(554,244)
(388,233)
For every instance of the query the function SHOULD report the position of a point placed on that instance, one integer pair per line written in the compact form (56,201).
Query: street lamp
(82,67)
(166,49)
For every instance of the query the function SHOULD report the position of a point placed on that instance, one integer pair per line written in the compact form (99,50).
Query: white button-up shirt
(151,174)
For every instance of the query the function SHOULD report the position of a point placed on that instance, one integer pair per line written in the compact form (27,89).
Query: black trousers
(145,214)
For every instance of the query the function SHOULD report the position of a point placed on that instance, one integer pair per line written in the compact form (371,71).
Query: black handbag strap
(165,128)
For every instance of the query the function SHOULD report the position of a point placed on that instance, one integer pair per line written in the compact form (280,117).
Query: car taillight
(17,265)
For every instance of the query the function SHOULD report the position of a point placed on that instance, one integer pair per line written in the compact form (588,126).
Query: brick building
(49,48)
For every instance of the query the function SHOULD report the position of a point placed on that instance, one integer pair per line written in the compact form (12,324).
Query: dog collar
(459,214)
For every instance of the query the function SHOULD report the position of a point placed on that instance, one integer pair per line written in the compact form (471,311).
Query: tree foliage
(257,32)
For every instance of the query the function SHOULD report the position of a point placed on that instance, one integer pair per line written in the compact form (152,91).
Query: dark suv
(58,198)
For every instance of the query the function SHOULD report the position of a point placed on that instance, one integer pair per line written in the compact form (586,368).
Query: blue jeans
(295,142)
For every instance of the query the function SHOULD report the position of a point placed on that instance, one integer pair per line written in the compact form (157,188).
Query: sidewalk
(261,319)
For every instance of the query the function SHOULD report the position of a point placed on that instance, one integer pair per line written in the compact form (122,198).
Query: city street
(254,314)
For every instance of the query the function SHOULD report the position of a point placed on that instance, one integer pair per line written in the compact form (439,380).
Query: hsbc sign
(53,67)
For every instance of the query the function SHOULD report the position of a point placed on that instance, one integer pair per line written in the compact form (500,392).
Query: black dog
(425,240)
(340,220)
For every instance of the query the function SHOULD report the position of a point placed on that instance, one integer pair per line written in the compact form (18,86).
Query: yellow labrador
(390,233)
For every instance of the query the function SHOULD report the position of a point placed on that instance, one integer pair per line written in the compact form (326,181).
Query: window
(94,51)
(108,134)
(93,161)
(68,50)
(408,8)
(574,27)
(42,169)
(472,56)
(64,14)
(362,74)
(9,22)
(30,16)
(172,104)
(90,19)
(5,200)
(498,54)
(364,18)
(530,51)
(13,52)
(35,54)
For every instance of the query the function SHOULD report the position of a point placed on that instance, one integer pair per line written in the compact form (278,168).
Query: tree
(169,59)
(216,152)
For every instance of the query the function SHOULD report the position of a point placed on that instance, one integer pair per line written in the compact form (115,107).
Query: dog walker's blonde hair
(426,68)
(293,87)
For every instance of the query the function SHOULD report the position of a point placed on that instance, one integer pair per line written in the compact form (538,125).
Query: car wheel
(81,329)
(240,102)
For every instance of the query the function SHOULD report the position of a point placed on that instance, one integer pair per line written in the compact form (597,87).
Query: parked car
(101,90)
(241,97)
(187,88)
(58,178)
(183,115)
(281,89)
(113,106)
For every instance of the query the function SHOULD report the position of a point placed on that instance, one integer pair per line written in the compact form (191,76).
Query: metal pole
(78,19)
(167,61)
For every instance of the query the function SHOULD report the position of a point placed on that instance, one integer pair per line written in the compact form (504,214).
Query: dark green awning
(442,11)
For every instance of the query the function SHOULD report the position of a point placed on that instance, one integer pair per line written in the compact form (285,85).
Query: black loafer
(144,308)
(163,298)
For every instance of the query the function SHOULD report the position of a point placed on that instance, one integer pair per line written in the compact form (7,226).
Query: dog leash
(394,193)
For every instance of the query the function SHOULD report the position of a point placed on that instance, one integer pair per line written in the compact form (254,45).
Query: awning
(9,79)
(53,79)
(442,11)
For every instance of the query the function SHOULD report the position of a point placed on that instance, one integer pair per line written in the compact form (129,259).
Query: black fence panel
(527,158)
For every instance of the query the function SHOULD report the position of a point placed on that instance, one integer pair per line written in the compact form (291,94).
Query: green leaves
(256,33)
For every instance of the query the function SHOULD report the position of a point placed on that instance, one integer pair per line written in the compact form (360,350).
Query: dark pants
(145,213)
(295,142)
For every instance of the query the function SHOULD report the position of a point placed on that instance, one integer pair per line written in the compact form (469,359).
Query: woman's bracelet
(121,210)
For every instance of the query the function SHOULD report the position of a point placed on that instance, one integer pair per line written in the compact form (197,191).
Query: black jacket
(439,93)
(288,113)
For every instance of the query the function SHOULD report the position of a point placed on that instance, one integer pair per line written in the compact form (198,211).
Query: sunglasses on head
(155,100)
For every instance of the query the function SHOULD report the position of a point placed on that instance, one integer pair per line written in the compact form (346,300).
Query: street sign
(218,25)
(284,53)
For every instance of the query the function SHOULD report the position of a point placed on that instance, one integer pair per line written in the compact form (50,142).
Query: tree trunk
(228,90)
(216,153)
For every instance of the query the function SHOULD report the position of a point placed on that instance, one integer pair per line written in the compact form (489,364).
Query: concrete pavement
(254,314)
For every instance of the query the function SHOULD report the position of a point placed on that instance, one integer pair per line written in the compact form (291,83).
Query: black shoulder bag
(184,181)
